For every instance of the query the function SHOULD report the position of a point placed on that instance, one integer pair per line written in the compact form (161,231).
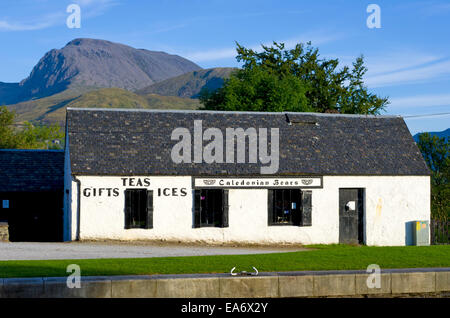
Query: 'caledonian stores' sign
(260,182)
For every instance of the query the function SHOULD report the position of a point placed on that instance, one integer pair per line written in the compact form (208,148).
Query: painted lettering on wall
(135,182)
(174,192)
(262,183)
(98,192)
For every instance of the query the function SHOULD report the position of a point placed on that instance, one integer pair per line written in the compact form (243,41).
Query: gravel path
(84,250)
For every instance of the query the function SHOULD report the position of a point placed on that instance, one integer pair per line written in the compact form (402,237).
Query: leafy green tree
(278,79)
(6,131)
(39,137)
(436,151)
(28,137)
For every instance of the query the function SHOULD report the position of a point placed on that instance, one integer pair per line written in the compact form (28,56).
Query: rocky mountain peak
(92,63)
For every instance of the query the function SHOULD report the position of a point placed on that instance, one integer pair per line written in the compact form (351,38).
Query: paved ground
(82,250)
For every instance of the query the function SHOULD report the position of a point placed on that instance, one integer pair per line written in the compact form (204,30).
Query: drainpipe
(78,206)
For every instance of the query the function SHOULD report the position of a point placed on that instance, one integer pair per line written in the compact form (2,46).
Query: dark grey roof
(31,170)
(138,142)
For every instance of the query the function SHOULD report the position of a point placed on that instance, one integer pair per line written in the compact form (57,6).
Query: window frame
(198,209)
(147,206)
(303,209)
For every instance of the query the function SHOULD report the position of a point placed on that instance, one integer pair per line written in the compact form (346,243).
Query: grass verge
(321,257)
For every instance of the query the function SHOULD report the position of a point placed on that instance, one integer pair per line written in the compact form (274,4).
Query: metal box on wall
(421,233)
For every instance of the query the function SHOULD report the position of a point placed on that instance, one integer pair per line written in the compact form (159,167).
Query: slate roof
(138,142)
(31,170)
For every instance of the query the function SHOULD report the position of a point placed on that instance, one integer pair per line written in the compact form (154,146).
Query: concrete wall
(268,285)
(390,202)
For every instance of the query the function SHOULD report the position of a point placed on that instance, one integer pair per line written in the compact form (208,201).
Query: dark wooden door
(351,214)
(35,216)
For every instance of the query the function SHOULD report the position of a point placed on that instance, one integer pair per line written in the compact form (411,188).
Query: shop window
(138,209)
(211,208)
(289,207)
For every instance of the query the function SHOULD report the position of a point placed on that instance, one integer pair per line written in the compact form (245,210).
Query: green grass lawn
(321,257)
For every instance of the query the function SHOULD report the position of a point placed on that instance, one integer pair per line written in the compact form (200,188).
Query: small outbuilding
(31,194)
(243,177)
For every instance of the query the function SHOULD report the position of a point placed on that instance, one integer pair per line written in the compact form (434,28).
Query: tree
(436,151)
(278,79)
(29,137)
(6,131)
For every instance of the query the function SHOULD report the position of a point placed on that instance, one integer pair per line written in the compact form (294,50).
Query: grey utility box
(421,233)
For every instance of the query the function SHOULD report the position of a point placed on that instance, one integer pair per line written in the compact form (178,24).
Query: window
(138,209)
(289,207)
(211,208)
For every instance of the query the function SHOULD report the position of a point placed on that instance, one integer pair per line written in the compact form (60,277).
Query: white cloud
(413,74)
(90,8)
(7,26)
(399,67)
(45,21)
(397,62)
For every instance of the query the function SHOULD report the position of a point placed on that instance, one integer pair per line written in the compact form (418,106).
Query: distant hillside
(51,109)
(36,110)
(190,84)
(440,134)
(86,64)
(9,93)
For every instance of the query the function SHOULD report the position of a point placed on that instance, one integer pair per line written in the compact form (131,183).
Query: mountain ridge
(189,85)
(99,73)
(85,64)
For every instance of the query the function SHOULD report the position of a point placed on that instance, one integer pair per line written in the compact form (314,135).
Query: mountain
(9,92)
(52,109)
(440,134)
(86,64)
(190,84)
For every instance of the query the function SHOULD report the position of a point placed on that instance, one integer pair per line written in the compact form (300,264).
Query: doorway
(351,216)
(34,216)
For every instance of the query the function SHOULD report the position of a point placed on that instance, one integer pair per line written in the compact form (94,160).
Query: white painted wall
(390,203)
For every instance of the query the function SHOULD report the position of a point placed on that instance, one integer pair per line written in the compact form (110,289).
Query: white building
(286,178)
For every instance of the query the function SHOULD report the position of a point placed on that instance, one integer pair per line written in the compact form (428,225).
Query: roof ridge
(231,112)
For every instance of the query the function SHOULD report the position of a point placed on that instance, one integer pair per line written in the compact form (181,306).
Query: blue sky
(408,57)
